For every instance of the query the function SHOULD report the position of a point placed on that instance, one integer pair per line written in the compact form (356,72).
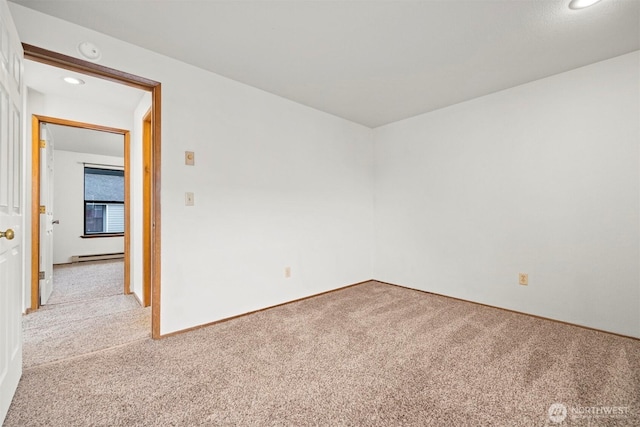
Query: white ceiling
(49,80)
(80,140)
(372,62)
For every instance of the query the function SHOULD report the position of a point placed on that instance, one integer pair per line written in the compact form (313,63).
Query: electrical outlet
(188,199)
(523,279)
(287,272)
(189,158)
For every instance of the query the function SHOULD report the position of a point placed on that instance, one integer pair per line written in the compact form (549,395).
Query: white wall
(136,175)
(68,197)
(276,184)
(541,179)
(85,112)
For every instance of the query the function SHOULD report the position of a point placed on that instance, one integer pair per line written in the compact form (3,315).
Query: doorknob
(9,234)
(55,221)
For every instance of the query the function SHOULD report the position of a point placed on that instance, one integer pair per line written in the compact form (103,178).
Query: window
(103,201)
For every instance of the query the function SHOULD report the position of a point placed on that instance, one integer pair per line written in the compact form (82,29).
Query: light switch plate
(188,199)
(189,158)
(523,279)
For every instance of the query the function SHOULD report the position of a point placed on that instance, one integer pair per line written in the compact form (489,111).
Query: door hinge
(41,275)
(43,209)
(43,143)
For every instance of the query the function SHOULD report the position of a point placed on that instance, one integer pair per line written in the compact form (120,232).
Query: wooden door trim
(60,60)
(127,213)
(35,213)
(56,59)
(36,122)
(147,129)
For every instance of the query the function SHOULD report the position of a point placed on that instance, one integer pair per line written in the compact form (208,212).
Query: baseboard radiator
(97,257)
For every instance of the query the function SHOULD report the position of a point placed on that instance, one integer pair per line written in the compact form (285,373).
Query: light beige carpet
(87,312)
(369,355)
(86,280)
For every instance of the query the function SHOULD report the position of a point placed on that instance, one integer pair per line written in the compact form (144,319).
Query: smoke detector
(89,51)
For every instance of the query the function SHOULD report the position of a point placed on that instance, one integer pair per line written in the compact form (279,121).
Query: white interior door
(11,209)
(46,213)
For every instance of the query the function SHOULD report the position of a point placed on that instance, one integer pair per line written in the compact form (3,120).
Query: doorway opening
(86,142)
(151,203)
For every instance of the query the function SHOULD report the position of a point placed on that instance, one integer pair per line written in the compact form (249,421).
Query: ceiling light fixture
(73,81)
(581,4)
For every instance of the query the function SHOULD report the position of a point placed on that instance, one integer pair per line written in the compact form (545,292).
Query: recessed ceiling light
(73,81)
(581,4)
